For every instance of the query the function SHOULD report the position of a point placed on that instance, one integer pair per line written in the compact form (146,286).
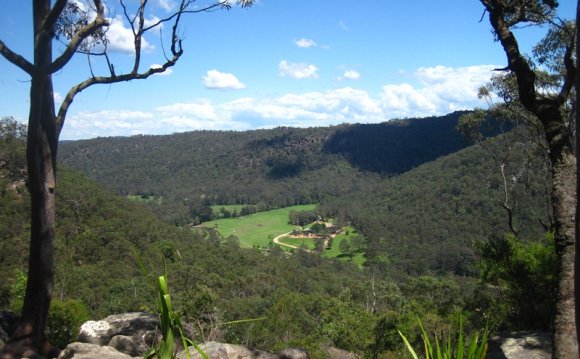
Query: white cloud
(202,109)
(297,70)
(166,5)
(121,38)
(214,79)
(438,90)
(87,124)
(305,43)
(441,90)
(58,97)
(350,75)
(343,25)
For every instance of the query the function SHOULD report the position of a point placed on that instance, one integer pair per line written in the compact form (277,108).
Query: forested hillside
(420,227)
(420,210)
(270,168)
(429,218)
(303,300)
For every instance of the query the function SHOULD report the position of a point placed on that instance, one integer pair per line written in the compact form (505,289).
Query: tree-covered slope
(420,200)
(429,218)
(274,168)
(302,300)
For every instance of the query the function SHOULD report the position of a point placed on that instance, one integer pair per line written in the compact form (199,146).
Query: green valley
(258,229)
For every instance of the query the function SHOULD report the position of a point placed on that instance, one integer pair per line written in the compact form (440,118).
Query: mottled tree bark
(577,134)
(41,160)
(563,161)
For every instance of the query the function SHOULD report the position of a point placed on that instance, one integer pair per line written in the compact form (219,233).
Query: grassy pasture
(257,229)
(334,251)
(298,242)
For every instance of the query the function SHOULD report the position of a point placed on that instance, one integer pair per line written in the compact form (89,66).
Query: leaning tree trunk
(41,160)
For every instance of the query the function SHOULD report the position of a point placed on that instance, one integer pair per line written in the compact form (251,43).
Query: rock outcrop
(130,335)
(217,350)
(521,345)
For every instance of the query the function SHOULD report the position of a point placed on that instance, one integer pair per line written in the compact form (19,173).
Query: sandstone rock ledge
(130,335)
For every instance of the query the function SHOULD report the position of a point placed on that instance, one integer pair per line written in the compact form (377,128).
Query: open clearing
(257,229)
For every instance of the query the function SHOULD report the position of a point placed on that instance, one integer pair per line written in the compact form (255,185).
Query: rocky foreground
(130,335)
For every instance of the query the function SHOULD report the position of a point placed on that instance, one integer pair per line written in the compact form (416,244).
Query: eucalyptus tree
(546,104)
(81,26)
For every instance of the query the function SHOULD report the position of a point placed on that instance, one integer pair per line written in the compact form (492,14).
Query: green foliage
(169,323)
(525,277)
(274,168)
(17,290)
(64,321)
(455,345)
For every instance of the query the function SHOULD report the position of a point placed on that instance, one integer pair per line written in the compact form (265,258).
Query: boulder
(91,351)
(130,335)
(128,324)
(521,345)
(215,350)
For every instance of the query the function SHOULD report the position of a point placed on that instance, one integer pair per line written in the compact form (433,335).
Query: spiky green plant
(475,347)
(169,320)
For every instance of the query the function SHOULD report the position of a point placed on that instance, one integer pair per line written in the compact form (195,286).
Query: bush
(64,321)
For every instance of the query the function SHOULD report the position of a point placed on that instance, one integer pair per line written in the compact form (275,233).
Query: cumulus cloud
(350,75)
(305,43)
(436,91)
(121,38)
(216,80)
(297,70)
(86,124)
(441,90)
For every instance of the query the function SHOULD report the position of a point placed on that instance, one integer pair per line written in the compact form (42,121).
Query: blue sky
(279,63)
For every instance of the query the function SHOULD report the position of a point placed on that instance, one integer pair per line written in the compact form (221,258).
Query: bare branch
(184,10)
(16,59)
(80,36)
(106,80)
(570,73)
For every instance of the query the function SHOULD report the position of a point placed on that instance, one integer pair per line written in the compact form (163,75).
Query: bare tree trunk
(41,160)
(577,134)
(564,207)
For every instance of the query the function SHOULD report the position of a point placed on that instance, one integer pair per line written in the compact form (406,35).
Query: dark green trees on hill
(419,215)
(272,168)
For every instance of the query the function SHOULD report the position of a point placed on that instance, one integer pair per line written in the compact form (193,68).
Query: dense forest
(429,224)
(392,180)
(270,168)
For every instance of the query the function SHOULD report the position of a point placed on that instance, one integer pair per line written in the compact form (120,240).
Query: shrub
(64,321)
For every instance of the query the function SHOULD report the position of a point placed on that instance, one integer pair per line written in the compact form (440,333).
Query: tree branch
(16,59)
(80,36)
(52,17)
(570,73)
(106,80)
(516,62)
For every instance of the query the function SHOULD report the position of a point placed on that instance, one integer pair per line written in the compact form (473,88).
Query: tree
(546,105)
(577,134)
(83,31)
